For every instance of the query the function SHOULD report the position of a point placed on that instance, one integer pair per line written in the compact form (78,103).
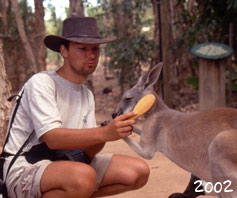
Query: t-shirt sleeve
(42,106)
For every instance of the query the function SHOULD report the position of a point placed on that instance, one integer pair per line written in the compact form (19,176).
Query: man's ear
(64,51)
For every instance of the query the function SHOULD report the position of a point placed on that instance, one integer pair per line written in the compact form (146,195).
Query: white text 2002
(210,187)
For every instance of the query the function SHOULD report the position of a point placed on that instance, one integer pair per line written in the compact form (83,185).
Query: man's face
(82,58)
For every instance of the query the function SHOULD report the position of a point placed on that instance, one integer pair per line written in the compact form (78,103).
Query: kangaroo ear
(150,78)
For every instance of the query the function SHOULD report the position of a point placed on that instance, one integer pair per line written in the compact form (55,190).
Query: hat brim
(54,42)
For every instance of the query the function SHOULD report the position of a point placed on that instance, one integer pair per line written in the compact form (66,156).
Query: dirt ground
(165,177)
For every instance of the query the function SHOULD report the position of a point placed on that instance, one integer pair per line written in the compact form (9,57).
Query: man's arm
(66,139)
(93,150)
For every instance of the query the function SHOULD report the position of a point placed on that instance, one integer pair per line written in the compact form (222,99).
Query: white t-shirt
(49,101)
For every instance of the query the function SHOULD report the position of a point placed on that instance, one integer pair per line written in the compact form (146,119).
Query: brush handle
(144,105)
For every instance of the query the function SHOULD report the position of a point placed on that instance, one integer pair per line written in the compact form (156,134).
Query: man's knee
(75,179)
(84,179)
(138,174)
(142,174)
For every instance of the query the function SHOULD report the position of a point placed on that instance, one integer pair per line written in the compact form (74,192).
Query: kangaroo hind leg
(223,164)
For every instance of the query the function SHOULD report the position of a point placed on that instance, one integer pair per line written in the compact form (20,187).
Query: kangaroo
(202,142)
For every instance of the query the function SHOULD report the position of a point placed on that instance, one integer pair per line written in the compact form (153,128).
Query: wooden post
(211,83)
(213,58)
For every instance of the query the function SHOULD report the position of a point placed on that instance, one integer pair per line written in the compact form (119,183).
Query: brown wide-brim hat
(77,29)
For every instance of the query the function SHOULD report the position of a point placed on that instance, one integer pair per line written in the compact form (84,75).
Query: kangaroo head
(143,86)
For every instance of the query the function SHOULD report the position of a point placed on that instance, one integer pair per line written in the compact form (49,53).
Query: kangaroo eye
(128,99)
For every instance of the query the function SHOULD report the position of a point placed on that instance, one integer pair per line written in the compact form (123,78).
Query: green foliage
(26,14)
(232,4)
(194,81)
(208,21)
(53,26)
(134,46)
(11,28)
(128,56)
(234,80)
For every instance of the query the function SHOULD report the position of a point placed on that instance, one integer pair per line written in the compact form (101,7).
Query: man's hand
(120,127)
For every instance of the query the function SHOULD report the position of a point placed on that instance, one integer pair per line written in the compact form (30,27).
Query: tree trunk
(166,49)
(182,69)
(156,22)
(76,8)
(38,35)
(5,88)
(124,30)
(3,15)
(120,20)
(157,38)
(24,39)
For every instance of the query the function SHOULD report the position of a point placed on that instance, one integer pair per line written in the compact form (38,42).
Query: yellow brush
(144,105)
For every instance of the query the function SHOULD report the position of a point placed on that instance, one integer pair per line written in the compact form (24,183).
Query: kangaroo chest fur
(185,137)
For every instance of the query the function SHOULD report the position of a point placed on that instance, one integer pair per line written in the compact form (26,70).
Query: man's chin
(91,69)
(88,72)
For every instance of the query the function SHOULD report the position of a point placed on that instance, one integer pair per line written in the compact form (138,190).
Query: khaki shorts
(25,182)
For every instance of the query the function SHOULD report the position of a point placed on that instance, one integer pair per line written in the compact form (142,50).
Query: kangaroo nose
(114,115)
(119,112)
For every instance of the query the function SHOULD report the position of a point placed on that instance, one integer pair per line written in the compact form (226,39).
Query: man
(60,111)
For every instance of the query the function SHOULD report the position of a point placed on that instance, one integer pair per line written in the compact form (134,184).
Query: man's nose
(92,54)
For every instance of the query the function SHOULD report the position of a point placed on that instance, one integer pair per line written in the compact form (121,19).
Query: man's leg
(124,173)
(68,179)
